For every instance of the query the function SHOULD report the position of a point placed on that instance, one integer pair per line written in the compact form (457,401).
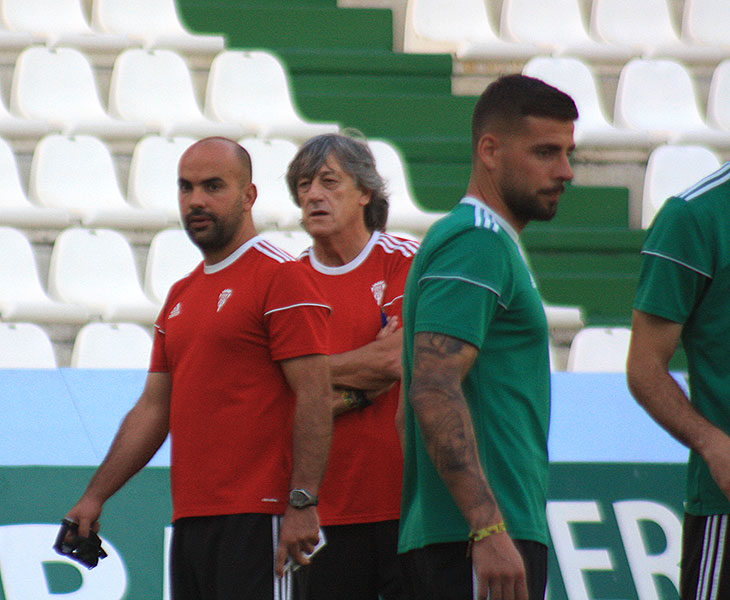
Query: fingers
(281,555)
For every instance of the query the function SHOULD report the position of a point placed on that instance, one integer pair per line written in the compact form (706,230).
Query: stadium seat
(599,349)
(22,297)
(251,89)
(78,174)
(154,24)
(59,23)
(13,41)
(112,346)
(403,212)
(270,158)
(153,174)
(658,96)
(25,346)
(58,85)
(646,29)
(576,78)
(556,27)
(96,268)
(462,27)
(295,242)
(704,22)
(156,88)
(15,208)
(718,101)
(671,170)
(171,257)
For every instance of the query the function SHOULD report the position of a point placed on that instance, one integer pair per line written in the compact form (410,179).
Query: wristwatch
(301,498)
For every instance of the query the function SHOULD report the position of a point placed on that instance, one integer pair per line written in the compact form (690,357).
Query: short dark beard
(527,208)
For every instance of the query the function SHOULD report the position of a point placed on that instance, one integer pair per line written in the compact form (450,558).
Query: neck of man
(484,189)
(341,248)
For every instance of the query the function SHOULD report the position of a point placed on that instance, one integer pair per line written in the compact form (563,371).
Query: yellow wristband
(484,532)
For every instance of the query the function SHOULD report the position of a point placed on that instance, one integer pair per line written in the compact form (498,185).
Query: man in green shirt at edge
(476,366)
(684,293)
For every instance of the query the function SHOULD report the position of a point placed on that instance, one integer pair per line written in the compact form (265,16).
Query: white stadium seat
(78,174)
(671,170)
(647,29)
(171,257)
(704,22)
(274,206)
(403,212)
(96,268)
(576,78)
(154,24)
(556,27)
(718,101)
(152,180)
(462,27)
(57,85)
(25,346)
(251,89)
(156,88)
(59,23)
(599,349)
(658,96)
(15,208)
(112,346)
(22,298)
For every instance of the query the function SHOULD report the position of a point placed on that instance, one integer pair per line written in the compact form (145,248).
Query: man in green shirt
(476,365)
(684,293)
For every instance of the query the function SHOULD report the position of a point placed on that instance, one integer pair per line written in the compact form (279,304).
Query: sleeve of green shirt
(462,286)
(676,263)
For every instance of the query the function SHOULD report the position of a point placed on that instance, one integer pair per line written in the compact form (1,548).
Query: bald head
(221,148)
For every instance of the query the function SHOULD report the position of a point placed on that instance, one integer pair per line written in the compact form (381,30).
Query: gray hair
(355,158)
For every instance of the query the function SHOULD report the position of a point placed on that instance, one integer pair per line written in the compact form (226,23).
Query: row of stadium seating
(127,345)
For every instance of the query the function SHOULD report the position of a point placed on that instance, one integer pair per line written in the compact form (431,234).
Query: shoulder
(390,244)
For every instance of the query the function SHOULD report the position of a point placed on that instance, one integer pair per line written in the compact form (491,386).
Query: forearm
(373,366)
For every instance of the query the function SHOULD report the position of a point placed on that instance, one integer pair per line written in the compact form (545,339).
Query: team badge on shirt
(223,298)
(176,310)
(378,289)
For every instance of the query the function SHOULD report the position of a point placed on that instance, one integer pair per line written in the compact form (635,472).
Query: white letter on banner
(573,561)
(644,566)
(24,549)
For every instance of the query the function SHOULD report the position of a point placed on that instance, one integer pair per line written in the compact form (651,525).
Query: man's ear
(487,149)
(365,197)
(250,193)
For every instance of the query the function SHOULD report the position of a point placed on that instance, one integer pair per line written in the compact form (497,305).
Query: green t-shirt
(685,277)
(470,281)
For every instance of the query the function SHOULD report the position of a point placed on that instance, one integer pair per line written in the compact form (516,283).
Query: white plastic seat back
(22,297)
(251,88)
(599,349)
(640,27)
(274,206)
(96,268)
(25,346)
(58,85)
(112,346)
(78,174)
(155,23)
(293,241)
(656,95)
(706,21)
(58,22)
(153,174)
(671,170)
(718,101)
(155,87)
(403,212)
(171,257)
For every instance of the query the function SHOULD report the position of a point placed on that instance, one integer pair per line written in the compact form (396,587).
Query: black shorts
(227,557)
(704,574)
(359,562)
(444,572)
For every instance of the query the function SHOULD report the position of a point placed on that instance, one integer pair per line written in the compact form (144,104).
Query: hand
(86,513)
(391,326)
(717,457)
(499,569)
(298,536)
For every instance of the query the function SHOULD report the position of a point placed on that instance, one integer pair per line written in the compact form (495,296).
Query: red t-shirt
(364,472)
(220,334)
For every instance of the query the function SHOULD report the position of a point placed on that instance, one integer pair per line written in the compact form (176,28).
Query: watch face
(300,499)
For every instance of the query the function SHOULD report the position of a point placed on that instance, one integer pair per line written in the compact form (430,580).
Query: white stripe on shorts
(282,585)
(713,552)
